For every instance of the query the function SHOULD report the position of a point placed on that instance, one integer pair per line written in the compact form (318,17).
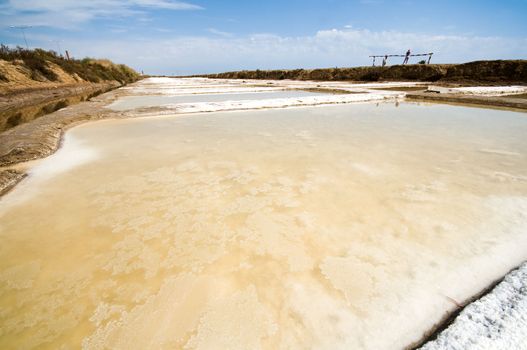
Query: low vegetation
(483,72)
(39,62)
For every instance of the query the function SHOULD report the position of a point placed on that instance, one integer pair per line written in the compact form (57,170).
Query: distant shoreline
(477,72)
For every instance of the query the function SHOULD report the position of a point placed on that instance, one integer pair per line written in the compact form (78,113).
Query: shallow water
(342,227)
(132,102)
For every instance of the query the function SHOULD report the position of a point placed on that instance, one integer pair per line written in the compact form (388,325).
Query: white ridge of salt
(492,90)
(274,103)
(498,321)
(481,90)
(181,86)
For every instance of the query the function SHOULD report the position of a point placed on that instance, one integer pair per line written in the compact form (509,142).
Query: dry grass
(39,63)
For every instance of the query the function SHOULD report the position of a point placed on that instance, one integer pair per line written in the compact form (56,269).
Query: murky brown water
(345,227)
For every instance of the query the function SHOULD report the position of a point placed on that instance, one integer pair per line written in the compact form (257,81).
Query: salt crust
(498,321)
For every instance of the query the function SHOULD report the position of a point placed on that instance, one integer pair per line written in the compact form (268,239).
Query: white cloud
(68,13)
(166,4)
(220,33)
(95,5)
(326,48)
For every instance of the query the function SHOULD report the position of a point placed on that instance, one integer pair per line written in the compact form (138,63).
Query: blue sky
(202,36)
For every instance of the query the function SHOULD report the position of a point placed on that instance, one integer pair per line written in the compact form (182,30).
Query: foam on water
(343,227)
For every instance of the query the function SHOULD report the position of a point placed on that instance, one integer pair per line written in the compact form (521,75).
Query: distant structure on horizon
(406,57)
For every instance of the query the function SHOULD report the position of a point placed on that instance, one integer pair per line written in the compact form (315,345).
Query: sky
(207,36)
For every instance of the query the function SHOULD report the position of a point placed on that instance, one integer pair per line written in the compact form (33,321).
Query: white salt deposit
(481,90)
(229,93)
(183,86)
(278,103)
(498,321)
(149,101)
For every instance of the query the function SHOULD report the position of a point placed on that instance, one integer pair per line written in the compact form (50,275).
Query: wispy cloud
(220,33)
(67,13)
(166,4)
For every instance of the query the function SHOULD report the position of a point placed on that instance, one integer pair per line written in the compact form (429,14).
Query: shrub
(39,67)
(37,61)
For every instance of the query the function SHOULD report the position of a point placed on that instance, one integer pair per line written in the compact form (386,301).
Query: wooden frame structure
(417,54)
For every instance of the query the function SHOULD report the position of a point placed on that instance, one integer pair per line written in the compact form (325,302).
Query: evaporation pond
(133,102)
(337,227)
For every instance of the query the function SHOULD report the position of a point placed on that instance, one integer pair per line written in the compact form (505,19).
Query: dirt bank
(8,179)
(41,137)
(24,105)
(481,72)
(38,82)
